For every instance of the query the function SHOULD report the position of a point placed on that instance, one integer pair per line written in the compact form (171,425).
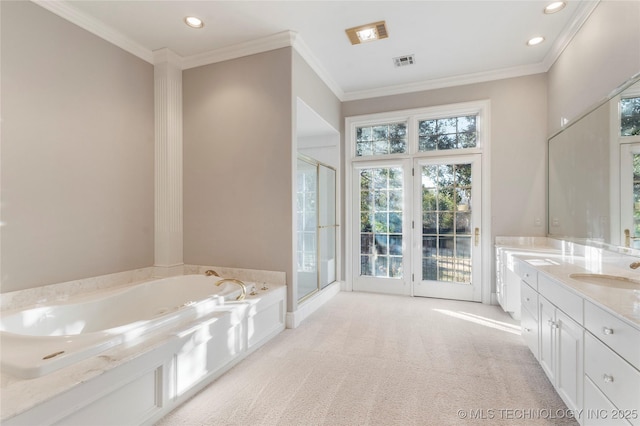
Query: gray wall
(604,54)
(238,162)
(77,152)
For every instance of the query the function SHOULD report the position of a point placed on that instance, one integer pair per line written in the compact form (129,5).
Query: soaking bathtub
(39,340)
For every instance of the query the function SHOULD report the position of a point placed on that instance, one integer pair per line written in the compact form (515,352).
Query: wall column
(168,163)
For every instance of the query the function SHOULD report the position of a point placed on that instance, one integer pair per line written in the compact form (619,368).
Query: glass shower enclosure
(317,226)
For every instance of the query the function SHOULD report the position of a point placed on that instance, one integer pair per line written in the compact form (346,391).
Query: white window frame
(480,108)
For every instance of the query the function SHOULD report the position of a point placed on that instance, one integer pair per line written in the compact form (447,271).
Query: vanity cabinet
(591,356)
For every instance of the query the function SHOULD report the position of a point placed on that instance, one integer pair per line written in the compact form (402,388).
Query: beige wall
(604,54)
(518,144)
(238,162)
(77,152)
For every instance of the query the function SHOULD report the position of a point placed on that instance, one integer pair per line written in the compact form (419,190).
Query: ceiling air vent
(402,61)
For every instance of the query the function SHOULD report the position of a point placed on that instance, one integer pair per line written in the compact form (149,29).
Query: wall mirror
(594,174)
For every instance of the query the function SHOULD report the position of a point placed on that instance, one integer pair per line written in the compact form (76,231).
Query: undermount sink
(608,280)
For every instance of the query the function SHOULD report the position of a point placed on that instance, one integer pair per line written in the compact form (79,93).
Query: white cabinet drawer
(600,411)
(529,300)
(527,273)
(568,302)
(615,333)
(615,377)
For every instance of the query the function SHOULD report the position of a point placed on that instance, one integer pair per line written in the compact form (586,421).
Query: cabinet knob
(607,378)
(528,330)
(607,330)
(527,299)
(552,324)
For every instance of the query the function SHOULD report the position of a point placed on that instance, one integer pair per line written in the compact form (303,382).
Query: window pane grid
(447,133)
(630,116)
(381,204)
(381,139)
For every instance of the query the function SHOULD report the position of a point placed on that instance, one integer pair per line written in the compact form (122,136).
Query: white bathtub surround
(61,292)
(149,375)
(39,340)
(168,163)
(371,359)
(251,275)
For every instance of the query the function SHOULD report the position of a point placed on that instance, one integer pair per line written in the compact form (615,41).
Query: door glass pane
(381,207)
(636,200)
(446,222)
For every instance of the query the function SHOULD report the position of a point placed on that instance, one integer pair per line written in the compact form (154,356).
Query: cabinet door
(547,326)
(569,369)
(530,331)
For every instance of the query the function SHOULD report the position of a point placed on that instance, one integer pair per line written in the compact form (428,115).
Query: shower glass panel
(307,229)
(316,227)
(327,225)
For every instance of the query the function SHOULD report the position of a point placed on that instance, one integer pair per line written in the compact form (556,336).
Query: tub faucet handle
(635,265)
(210,272)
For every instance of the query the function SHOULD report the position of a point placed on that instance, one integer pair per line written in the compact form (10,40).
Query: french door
(446,239)
(417,227)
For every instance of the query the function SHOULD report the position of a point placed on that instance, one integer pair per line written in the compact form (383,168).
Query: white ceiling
(454,42)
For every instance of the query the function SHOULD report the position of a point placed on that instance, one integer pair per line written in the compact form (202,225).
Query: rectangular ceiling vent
(403,61)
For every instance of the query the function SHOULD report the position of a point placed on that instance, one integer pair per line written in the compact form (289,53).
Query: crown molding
(441,83)
(272,42)
(64,10)
(301,47)
(585,9)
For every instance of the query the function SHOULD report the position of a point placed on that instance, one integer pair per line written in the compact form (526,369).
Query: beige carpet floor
(370,359)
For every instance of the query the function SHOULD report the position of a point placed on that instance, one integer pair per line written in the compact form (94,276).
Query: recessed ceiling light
(368,32)
(554,7)
(535,40)
(193,22)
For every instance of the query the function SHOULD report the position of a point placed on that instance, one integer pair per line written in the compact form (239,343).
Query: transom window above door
(447,133)
(381,139)
(422,132)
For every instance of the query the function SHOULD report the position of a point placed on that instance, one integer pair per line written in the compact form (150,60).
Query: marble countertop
(559,265)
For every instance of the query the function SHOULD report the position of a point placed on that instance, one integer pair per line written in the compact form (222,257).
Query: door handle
(477,236)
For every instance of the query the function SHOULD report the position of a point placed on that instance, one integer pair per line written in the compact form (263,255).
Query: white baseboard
(293,319)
